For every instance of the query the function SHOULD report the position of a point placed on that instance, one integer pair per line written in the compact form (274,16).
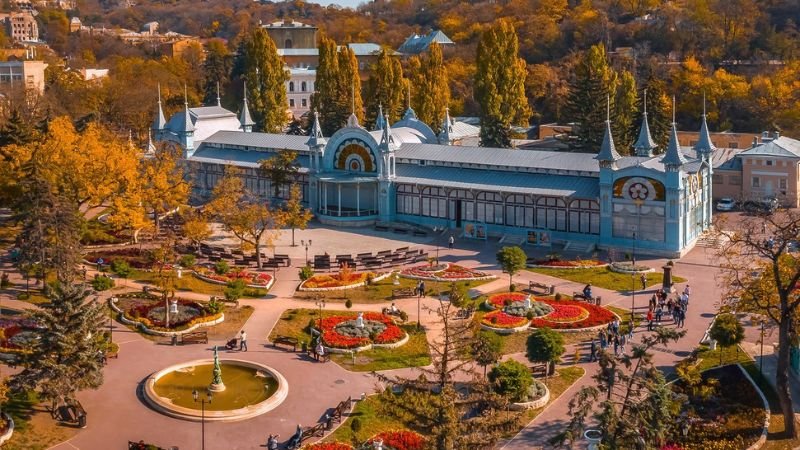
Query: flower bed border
(613,268)
(538,403)
(543,266)
(520,329)
(765,429)
(267,286)
(152,332)
(342,288)
(9,429)
(345,351)
(441,279)
(579,330)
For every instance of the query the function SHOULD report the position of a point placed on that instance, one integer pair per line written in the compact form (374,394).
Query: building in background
(29,74)
(299,89)
(20,26)
(416,43)
(287,33)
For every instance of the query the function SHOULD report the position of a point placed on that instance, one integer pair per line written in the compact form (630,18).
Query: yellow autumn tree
(164,187)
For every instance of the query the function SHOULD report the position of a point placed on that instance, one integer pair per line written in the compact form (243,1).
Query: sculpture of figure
(216,376)
(528,304)
(360,320)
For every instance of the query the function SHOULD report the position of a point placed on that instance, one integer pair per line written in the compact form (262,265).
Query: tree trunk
(258,254)
(782,377)
(510,281)
(157,224)
(136,235)
(293,244)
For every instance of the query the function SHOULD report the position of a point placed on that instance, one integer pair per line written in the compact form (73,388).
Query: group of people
(611,336)
(420,290)
(241,341)
(661,305)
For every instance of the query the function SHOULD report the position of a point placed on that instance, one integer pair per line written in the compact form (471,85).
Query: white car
(726,204)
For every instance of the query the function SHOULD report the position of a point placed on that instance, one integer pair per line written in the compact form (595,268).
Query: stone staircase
(711,240)
(579,247)
(512,239)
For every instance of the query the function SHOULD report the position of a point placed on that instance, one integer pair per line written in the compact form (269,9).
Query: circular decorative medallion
(638,191)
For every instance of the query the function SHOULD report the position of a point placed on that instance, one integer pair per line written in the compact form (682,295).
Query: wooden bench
(403,293)
(578,296)
(285,340)
(195,337)
(545,289)
(306,433)
(343,407)
(465,313)
(418,233)
(381,228)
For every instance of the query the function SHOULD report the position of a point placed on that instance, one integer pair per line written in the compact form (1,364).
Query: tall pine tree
(431,88)
(386,87)
(328,100)
(658,111)
(500,84)
(350,82)
(266,78)
(594,81)
(216,70)
(66,356)
(625,112)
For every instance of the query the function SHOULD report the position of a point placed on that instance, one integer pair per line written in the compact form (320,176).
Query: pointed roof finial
(673,158)
(159,122)
(644,144)
(608,154)
(185,95)
(219,101)
(409,114)
(380,121)
(245,121)
(704,146)
(445,136)
(315,138)
(353,98)
(387,139)
(185,123)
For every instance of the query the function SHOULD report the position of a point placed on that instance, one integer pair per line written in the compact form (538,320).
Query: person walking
(272,442)
(659,313)
(622,342)
(649,320)
(643,279)
(616,345)
(421,288)
(631,329)
(593,352)
(451,241)
(243,342)
(687,291)
(320,350)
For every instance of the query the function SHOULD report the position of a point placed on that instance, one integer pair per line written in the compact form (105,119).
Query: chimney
(755,141)
(776,134)
(287,21)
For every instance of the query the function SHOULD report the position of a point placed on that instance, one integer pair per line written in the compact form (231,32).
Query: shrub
(513,288)
(559,296)
(306,272)
(545,345)
(121,268)
(23,296)
(213,306)
(234,290)
(403,316)
(221,267)
(188,261)
(348,304)
(355,425)
(252,292)
(529,315)
(4,283)
(511,379)
(102,283)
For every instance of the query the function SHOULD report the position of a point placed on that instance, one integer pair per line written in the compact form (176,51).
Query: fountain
(252,389)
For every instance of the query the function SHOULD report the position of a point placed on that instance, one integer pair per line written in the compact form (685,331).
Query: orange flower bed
(573,315)
(334,280)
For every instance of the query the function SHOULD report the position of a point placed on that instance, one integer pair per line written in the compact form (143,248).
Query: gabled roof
(210,112)
(257,140)
(782,146)
(416,43)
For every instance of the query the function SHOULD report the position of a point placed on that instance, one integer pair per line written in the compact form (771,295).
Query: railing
(349,213)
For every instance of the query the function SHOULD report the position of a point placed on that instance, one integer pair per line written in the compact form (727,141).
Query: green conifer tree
(350,82)
(658,111)
(431,88)
(17,130)
(594,81)
(625,112)
(500,84)
(385,87)
(327,100)
(216,70)
(263,68)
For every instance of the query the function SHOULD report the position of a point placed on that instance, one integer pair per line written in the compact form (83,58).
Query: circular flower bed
(399,440)
(252,279)
(573,315)
(445,272)
(147,311)
(564,264)
(514,303)
(339,281)
(340,332)
(328,446)
(628,267)
(502,319)
(18,335)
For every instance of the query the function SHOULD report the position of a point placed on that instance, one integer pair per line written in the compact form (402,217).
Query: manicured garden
(334,281)
(605,278)
(556,262)
(514,310)
(189,283)
(380,291)
(297,323)
(149,312)
(348,331)
(444,272)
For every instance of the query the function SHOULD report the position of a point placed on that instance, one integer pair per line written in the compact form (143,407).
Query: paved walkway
(115,415)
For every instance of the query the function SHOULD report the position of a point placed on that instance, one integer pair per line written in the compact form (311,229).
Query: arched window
(489,207)
(519,211)
(291,86)
(551,213)
(584,217)
(287,43)
(303,86)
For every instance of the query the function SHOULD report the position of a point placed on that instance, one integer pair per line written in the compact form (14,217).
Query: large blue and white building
(403,172)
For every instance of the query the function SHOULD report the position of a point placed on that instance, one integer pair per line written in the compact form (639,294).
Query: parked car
(726,204)
(766,205)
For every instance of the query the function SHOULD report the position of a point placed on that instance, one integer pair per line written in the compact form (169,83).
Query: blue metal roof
(239,158)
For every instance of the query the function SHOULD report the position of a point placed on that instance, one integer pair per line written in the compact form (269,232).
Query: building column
(325,196)
(358,198)
(340,199)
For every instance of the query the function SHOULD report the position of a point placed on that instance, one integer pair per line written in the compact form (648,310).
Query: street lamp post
(321,304)
(638,203)
(111,322)
(306,245)
(203,401)
(761,359)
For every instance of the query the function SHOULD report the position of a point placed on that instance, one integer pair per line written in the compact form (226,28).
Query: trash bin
(174,339)
(598,300)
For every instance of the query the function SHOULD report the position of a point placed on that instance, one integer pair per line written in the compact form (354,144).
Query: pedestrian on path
(243,342)
(272,442)
(622,342)
(643,279)
(593,352)
(650,320)
(687,291)
(320,350)
(421,288)
(630,330)
(616,345)
(451,242)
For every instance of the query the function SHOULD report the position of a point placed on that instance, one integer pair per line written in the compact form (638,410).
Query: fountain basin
(252,389)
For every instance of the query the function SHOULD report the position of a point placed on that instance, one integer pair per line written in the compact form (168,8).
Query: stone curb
(345,351)
(765,429)
(538,403)
(542,266)
(9,430)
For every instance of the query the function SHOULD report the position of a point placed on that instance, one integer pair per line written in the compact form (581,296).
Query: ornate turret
(608,156)
(316,144)
(704,146)
(185,124)
(387,147)
(409,114)
(673,158)
(159,122)
(645,144)
(245,121)
(380,121)
(446,135)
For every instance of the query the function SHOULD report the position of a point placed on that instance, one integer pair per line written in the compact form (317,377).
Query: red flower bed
(449,272)
(400,440)
(576,263)
(597,315)
(333,338)
(567,313)
(500,319)
(328,446)
(499,300)
(254,278)
(334,280)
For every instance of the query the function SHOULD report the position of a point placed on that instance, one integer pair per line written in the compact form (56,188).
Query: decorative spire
(704,146)
(387,140)
(219,101)
(673,158)
(185,124)
(245,121)
(409,114)
(645,144)
(315,138)
(151,148)
(608,153)
(380,121)
(159,122)
(445,136)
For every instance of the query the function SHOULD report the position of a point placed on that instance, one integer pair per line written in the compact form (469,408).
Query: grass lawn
(775,438)
(35,297)
(708,359)
(374,421)
(604,278)
(189,283)
(413,354)
(381,291)
(293,322)
(33,427)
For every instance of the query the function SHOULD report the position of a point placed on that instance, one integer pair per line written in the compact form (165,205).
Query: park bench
(343,407)
(465,313)
(284,260)
(545,289)
(195,337)
(285,340)
(306,433)
(403,293)
(578,296)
